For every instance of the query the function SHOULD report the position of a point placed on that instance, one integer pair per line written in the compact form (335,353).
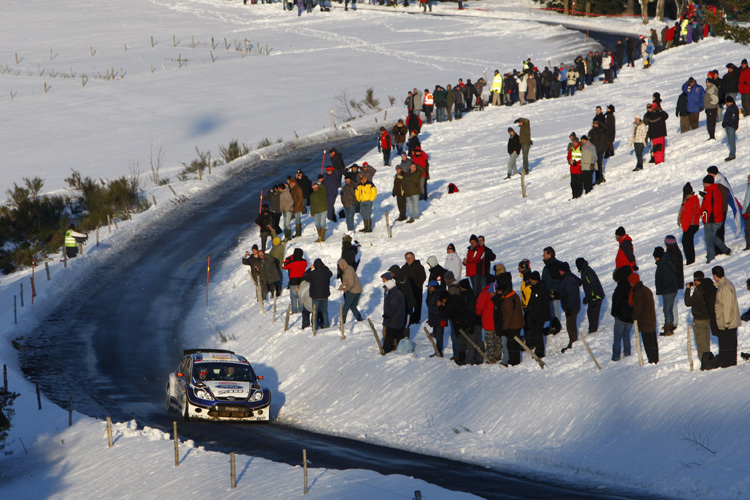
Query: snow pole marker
(304,465)
(109,430)
(387,223)
(315,320)
(260,205)
(523,183)
(176,444)
(322,163)
(432,341)
(638,342)
(232,471)
(208,273)
(586,344)
(531,353)
(689,349)
(46,268)
(377,339)
(273,320)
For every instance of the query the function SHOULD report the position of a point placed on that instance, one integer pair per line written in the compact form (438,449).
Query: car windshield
(223,371)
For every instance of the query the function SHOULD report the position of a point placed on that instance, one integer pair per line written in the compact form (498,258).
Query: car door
(186,369)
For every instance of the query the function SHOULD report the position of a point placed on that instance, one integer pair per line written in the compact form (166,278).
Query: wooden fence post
(315,320)
(5,377)
(21,294)
(70,409)
(38,396)
(171,189)
(176,445)
(15,311)
(109,224)
(432,341)
(304,465)
(275,295)
(586,344)
(109,432)
(638,342)
(65,258)
(377,339)
(387,223)
(531,353)
(232,474)
(97,236)
(33,290)
(523,184)
(689,349)
(46,268)
(286,321)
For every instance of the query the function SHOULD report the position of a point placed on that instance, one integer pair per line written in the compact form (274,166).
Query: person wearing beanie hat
(689,220)
(514,149)
(656,119)
(394,313)
(366,193)
(625,253)
(712,215)
(453,262)
(675,255)
(666,286)
(574,162)
(644,312)
(698,295)
(268,275)
(509,319)
(437,272)
(474,263)
(485,309)
(711,105)
(593,293)
(598,137)
(731,121)
(570,301)
(489,256)
(435,317)
(638,141)
(428,105)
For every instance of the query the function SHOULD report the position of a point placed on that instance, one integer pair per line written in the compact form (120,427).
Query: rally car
(216,384)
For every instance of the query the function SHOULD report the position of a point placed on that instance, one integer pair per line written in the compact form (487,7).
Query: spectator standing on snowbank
(625,254)
(656,120)
(366,194)
(695,97)
(712,217)
(638,139)
(570,300)
(394,313)
(526,142)
(622,310)
(644,312)
(666,286)
(453,262)
(514,149)
(593,293)
(352,289)
(745,213)
(711,104)
(727,317)
(731,123)
(72,241)
(689,220)
(700,297)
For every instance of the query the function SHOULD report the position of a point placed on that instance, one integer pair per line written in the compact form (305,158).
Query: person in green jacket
(319,210)
(411,185)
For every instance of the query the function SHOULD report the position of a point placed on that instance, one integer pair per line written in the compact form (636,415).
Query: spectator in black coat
(570,300)
(435,317)
(666,286)
(537,313)
(337,162)
(551,279)
(598,137)
(611,125)
(514,149)
(405,286)
(437,272)
(700,297)
(265,223)
(489,257)
(593,293)
(622,311)
(305,184)
(414,272)
(319,277)
(394,313)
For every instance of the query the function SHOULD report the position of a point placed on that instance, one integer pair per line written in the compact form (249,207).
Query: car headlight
(203,394)
(257,396)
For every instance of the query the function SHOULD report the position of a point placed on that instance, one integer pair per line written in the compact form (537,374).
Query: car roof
(215,355)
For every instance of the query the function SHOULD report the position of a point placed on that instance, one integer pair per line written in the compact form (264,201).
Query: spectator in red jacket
(296,265)
(385,144)
(625,254)
(689,219)
(712,217)
(485,308)
(422,159)
(474,263)
(744,87)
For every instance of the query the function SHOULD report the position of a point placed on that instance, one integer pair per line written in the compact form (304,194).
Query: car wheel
(185,412)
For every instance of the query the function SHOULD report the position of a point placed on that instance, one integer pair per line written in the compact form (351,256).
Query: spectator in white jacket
(522,87)
(638,141)
(453,262)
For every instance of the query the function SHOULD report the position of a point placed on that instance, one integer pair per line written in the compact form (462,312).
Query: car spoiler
(187,352)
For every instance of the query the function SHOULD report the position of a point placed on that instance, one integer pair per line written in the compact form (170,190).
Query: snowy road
(116,336)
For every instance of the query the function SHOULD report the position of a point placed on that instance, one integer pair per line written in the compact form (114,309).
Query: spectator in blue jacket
(695,97)
(730,123)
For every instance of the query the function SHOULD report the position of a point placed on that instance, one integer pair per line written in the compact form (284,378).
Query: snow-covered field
(625,425)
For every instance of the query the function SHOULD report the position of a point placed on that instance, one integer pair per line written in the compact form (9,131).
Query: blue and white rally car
(216,384)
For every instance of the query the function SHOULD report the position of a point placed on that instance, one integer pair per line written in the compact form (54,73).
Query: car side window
(185,365)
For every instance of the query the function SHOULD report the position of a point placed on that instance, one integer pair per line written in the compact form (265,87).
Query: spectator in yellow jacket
(366,194)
